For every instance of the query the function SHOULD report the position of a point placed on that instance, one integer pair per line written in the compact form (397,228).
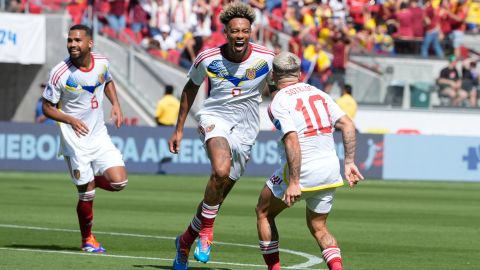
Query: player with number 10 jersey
(314,117)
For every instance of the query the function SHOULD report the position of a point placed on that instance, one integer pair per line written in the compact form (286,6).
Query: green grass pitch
(384,225)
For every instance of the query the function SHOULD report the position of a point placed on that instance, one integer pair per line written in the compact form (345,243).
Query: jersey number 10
(312,104)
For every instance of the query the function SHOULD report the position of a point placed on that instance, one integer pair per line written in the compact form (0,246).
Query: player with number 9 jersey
(234,88)
(312,116)
(80,93)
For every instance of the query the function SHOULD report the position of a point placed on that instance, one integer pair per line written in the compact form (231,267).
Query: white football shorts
(318,201)
(210,127)
(84,167)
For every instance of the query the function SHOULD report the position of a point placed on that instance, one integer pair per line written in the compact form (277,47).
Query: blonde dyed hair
(286,64)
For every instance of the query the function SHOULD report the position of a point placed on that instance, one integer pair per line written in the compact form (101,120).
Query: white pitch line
(312,260)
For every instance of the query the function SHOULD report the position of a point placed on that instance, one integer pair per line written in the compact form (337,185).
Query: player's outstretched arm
(294,160)
(50,110)
(116,114)
(186,101)
(347,127)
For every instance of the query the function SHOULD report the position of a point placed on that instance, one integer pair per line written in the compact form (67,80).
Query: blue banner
(34,147)
(432,158)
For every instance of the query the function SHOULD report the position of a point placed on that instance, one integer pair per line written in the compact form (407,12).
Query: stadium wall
(33,147)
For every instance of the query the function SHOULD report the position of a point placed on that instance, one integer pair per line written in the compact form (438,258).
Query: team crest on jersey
(210,128)
(251,73)
(76,174)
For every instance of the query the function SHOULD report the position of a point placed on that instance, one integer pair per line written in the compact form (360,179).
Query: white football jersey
(80,93)
(234,89)
(312,114)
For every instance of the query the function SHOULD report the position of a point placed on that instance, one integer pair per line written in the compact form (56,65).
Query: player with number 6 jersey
(79,93)
(73,97)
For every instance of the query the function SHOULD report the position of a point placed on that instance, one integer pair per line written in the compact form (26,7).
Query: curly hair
(237,10)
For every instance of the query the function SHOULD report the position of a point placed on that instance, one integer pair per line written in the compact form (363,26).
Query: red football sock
(270,254)
(189,236)
(332,257)
(103,183)
(209,213)
(85,217)
(272,261)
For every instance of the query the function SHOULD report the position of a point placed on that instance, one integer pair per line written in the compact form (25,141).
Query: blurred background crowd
(323,33)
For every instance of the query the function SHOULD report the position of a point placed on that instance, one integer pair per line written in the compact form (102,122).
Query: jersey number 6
(94,102)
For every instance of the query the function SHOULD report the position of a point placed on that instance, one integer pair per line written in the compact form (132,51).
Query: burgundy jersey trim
(56,76)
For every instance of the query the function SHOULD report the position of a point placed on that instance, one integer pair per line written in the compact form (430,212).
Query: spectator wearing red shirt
(340,51)
(295,44)
(139,18)
(457,24)
(432,30)
(404,19)
(417,21)
(116,15)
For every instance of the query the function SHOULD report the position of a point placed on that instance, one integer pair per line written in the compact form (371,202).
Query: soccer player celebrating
(73,97)
(228,122)
(305,118)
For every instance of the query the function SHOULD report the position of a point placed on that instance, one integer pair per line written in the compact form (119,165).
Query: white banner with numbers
(22,38)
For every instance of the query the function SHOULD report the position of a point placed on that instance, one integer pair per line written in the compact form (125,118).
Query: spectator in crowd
(432,30)
(228,123)
(180,18)
(383,42)
(116,16)
(159,16)
(473,17)
(450,83)
(347,103)
(74,97)
(316,65)
(309,161)
(39,116)
(193,45)
(457,15)
(470,80)
(340,51)
(295,44)
(167,108)
(139,17)
(166,41)
(339,12)
(404,34)
(418,23)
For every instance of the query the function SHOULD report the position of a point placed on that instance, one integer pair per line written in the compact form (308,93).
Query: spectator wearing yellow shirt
(316,65)
(167,108)
(347,103)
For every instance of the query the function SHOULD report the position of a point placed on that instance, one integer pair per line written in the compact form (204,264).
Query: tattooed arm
(294,160)
(349,143)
